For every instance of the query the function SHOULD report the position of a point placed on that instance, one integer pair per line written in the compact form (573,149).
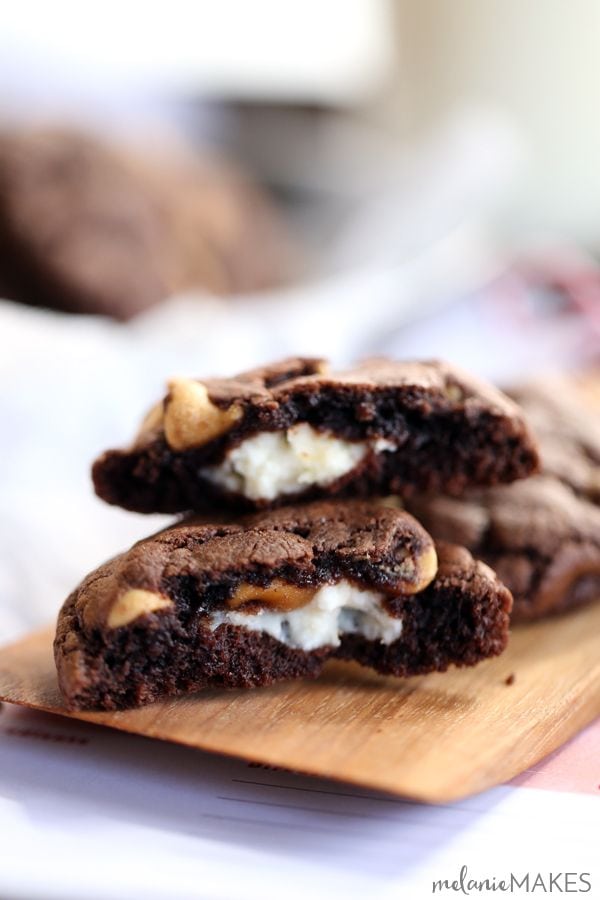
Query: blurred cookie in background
(91,228)
(564,413)
(542,534)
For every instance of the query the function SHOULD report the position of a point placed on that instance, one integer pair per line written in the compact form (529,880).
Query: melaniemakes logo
(530,883)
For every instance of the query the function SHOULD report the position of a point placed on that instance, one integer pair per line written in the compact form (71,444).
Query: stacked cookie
(289,557)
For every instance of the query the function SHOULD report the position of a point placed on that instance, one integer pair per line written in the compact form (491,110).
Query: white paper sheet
(87,812)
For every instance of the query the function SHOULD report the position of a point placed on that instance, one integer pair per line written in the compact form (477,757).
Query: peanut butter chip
(191,419)
(134,603)
(426,567)
(454,393)
(278,595)
(391,502)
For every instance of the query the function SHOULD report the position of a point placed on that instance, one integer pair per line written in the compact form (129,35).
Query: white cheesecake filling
(272,463)
(335,609)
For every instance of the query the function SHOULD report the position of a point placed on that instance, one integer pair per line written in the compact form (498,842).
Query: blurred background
(197,187)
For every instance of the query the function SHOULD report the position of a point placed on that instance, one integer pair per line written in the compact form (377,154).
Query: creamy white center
(284,462)
(334,610)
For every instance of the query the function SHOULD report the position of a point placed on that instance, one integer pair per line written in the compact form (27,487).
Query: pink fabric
(574,767)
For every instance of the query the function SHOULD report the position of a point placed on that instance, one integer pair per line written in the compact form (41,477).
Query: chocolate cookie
(295,431)
(87,227)
(565,416)
(542,536)
(273,598)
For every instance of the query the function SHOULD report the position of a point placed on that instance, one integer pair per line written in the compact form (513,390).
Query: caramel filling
(283,597)
(278,595)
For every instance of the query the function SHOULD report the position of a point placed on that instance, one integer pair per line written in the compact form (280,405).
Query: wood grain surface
(434,738)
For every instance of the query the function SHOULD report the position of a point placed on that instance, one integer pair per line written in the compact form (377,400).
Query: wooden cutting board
(435,738)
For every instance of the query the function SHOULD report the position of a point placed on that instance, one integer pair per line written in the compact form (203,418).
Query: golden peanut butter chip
(390,502)
(427,566)
(279,595)
(415,573)
(191,418)
(134,603)
(454,393)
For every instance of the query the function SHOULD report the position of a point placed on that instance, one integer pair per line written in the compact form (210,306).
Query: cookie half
(295,431)
(542,535)
(273,598)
